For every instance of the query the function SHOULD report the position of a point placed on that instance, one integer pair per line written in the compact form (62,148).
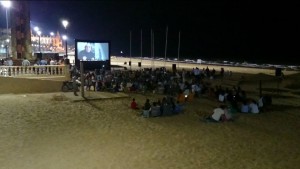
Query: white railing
(45,70)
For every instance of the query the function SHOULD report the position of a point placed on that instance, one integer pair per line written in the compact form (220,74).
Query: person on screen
(87,53)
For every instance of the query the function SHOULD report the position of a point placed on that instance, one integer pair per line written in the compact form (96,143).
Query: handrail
(45,70)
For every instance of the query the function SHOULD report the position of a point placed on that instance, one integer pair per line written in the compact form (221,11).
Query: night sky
(245,31)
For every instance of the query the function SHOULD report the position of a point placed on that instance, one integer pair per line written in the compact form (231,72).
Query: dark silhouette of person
(87,53)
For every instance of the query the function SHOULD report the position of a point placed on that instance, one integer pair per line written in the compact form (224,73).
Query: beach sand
(39,132)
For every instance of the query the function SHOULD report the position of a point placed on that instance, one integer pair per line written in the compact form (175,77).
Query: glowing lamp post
(39,33)
(65,23)
(7,5)
(51,35)
(65,39)
(6,46)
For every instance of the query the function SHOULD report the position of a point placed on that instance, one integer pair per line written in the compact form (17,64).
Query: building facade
(20,41)
(47,43)
(4,43)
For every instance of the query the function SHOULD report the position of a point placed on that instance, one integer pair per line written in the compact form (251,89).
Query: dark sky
(211,30)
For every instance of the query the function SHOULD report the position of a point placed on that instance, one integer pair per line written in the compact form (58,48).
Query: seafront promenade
(149,63)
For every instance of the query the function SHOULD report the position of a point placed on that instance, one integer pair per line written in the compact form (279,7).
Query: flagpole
(178,49)
(153,48)
(141,46)
(130,48)
(166,46)
(152,59)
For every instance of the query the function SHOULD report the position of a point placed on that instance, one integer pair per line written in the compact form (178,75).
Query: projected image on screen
(92,51)
(93,54)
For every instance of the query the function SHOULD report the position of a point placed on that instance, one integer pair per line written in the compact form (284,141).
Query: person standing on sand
(74,74)
(75,86)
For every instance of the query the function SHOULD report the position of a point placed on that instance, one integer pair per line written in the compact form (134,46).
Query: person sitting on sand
(146,108)
(180,97)
(253,107)
(219,114)
(155,110)
(244,107)
(147,105)
(178,108)
(133,104)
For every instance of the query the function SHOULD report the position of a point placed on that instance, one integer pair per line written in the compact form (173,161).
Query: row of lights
(6,4)
(65,23)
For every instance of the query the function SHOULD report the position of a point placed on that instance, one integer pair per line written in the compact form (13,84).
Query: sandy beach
(40,132)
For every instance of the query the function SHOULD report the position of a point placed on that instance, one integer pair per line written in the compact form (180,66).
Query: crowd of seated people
(157,80)
(238,100)
(183,86)
(164,107)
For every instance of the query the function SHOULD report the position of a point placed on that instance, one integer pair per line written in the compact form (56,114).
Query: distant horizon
(216,60)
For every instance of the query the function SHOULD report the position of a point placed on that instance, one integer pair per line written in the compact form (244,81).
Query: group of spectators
(162,107)
(178,86)
(235,100)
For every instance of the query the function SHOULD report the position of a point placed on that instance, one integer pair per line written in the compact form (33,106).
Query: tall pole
(141,47)
(152,48)
(6,4)
(130,49)
(65,24)
(130,45)
(82,79)
(141,44)
(178,49)
(66,49)
(7,51)
(153,45)
(40,43)
(166,45)
(39,34)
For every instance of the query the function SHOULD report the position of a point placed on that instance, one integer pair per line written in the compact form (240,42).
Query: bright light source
(64,37)
(6,4)
(65,23)
(51,33)
(7,40)
(36,28)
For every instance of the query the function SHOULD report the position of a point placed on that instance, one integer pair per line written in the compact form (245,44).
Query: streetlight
(39,33)
(51,35)
(7,5)
(65,23)
(65,39)
(37,30)
(6,46)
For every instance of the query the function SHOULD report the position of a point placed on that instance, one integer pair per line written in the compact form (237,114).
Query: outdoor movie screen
(92,50)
